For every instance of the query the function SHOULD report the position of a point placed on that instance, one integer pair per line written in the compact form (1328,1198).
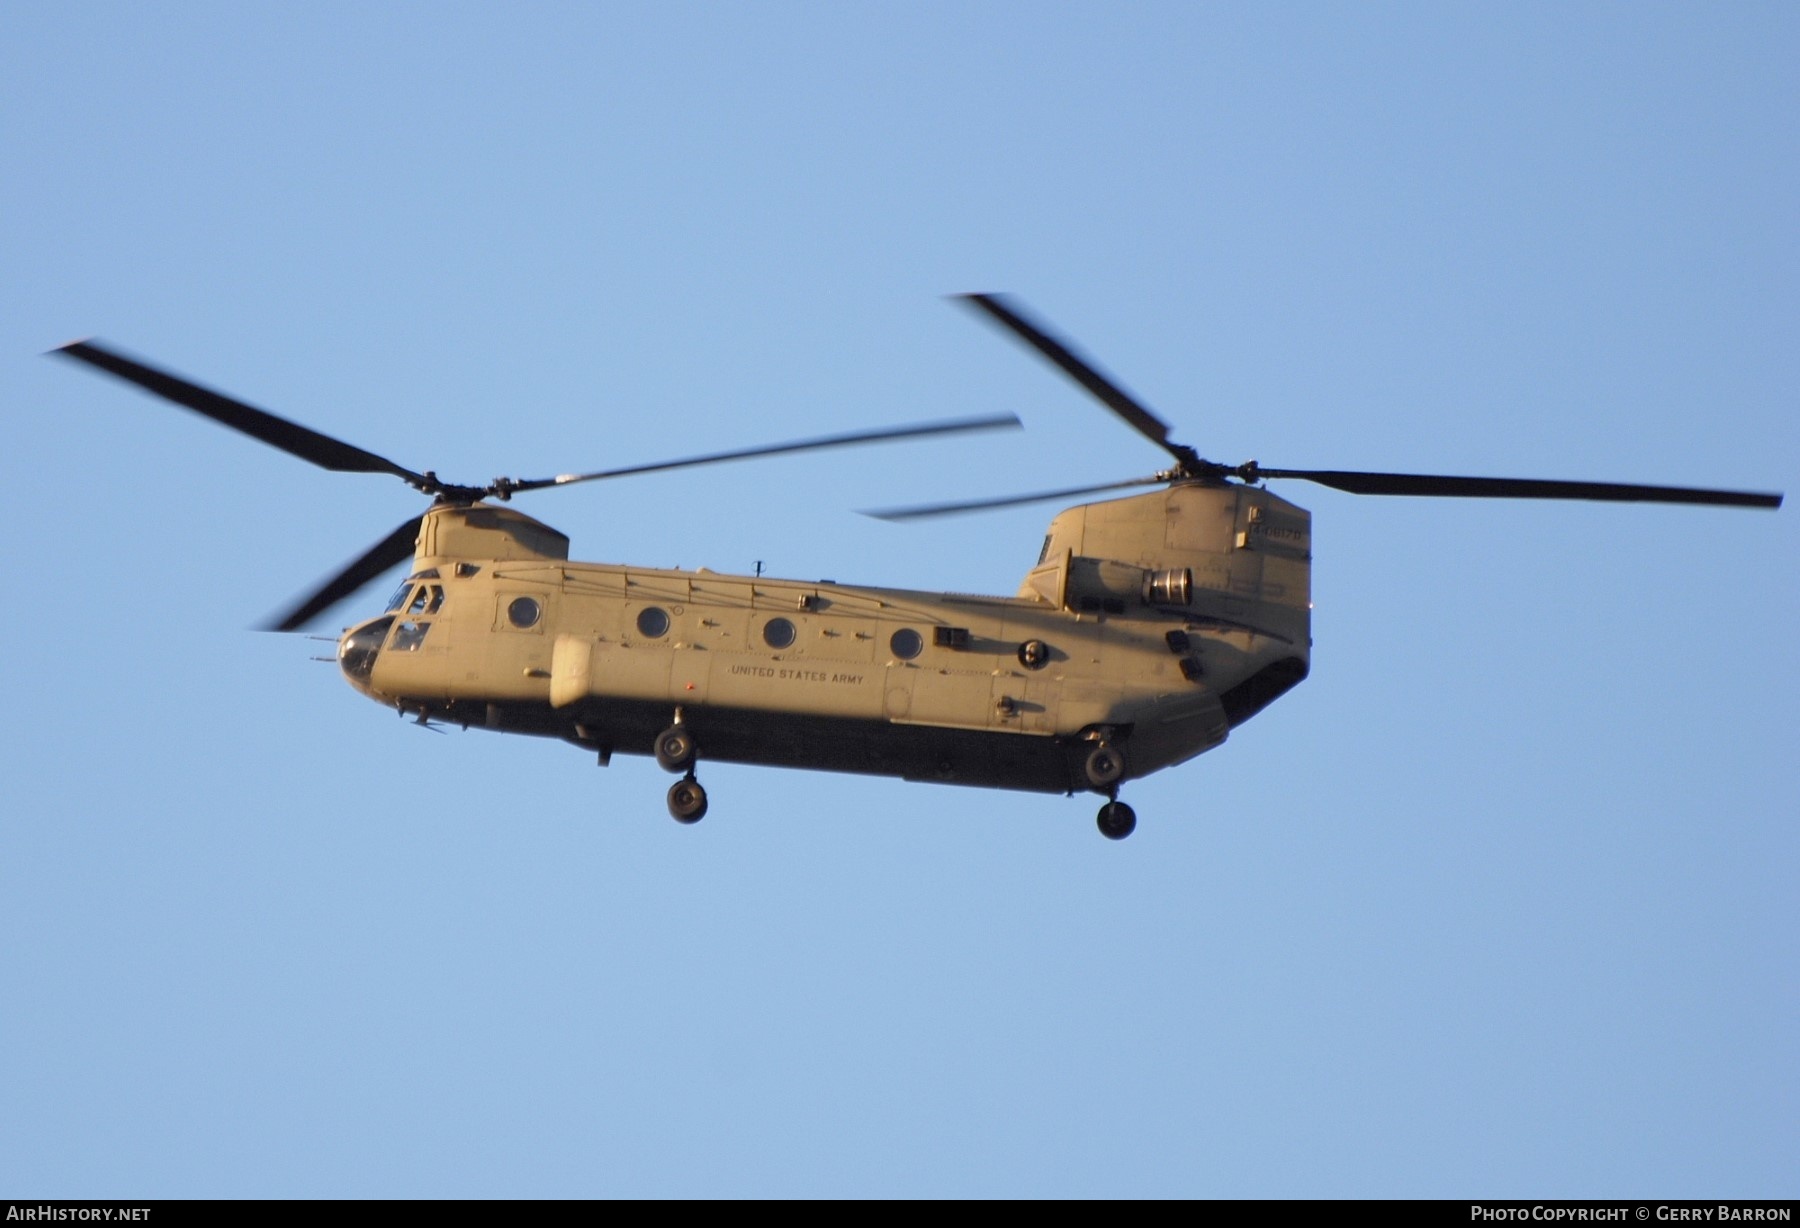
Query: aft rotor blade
(1439,485)
(290,437)
(950,427)
(988,505)
(393,548)
(1079,369)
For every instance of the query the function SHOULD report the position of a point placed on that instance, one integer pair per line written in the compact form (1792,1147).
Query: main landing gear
(676,752)
(1116,820)
(1104,768)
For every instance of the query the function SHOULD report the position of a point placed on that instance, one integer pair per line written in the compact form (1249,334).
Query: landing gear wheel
(675,749)
(687,801)
(1105,766)
(1116,820)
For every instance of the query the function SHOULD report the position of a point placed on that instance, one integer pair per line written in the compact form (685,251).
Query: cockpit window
(420,596)
(408,636)
(399,597)
(357,652)
(437,599)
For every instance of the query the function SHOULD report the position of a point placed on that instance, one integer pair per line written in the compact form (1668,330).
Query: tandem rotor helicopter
(1149,627)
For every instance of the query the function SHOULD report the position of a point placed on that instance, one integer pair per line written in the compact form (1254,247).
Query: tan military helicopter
(1150,627)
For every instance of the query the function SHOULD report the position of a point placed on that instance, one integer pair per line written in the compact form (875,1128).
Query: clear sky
(1501,901)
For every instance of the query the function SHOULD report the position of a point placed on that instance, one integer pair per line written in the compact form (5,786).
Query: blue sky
(1499,902)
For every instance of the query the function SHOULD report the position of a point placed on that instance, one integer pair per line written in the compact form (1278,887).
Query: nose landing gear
(687,800)
(676,752)
(675,748)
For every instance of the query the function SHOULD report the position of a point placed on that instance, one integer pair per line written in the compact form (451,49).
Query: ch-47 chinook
(1149,628)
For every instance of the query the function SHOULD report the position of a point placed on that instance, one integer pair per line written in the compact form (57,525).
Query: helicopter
(1150,627)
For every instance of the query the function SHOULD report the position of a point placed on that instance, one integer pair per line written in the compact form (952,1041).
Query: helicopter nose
(359,647)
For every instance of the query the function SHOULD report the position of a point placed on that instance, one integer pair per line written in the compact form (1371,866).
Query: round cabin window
(778,633)
(653,622)
(524,612)
(907,643)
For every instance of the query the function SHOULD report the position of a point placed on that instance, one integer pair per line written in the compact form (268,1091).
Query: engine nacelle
(1105,585)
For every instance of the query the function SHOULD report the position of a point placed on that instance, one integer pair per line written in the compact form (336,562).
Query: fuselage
(1156,622)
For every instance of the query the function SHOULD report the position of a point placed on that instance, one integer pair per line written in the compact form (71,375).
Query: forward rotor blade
(1440,485)
(391,549)
(988,505)
(950,427)
(1079,369)
(290,437)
